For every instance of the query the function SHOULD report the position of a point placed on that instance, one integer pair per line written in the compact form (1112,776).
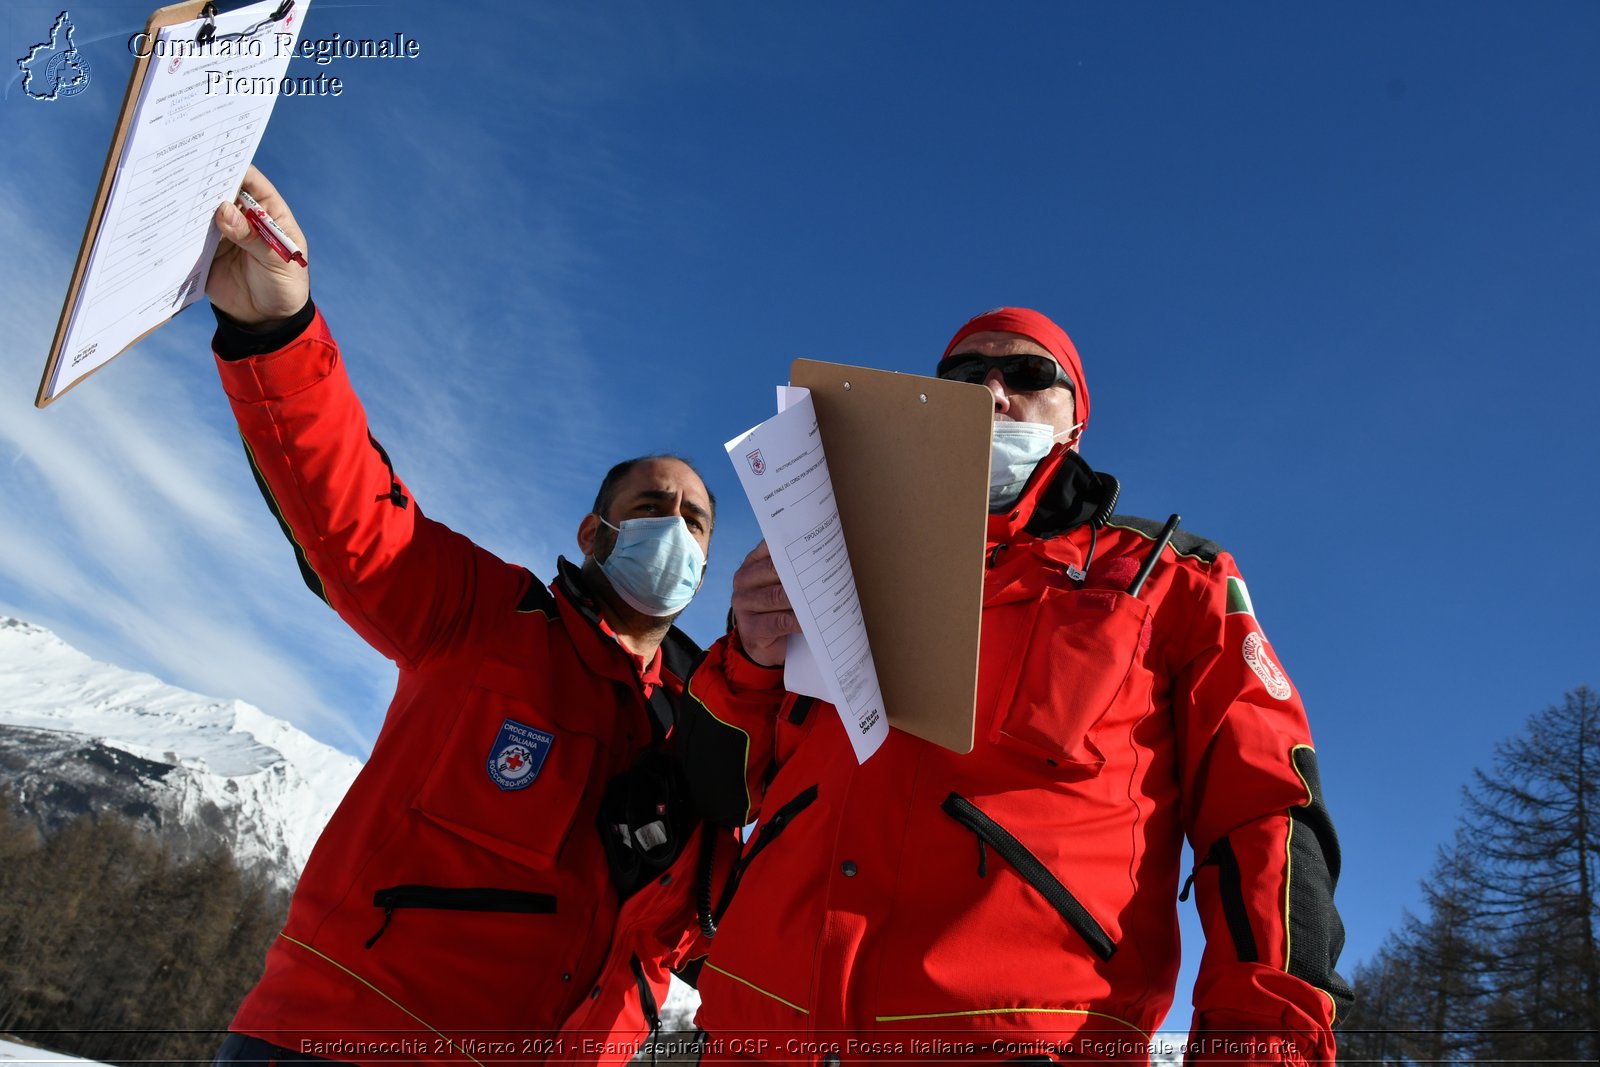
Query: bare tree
(1533,822)
(1422,998)
(1503,966)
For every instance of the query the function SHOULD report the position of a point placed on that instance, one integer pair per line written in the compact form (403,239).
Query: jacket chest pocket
(512,774)
(1079,647)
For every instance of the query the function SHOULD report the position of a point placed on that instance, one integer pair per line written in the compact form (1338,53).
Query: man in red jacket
(510,874)
(1017,902)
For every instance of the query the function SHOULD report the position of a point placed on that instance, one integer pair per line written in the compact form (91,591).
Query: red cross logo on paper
(758,466)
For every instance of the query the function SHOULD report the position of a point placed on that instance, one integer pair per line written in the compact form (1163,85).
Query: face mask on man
(1015,449)
(656,565)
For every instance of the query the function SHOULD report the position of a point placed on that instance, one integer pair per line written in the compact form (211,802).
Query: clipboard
(909,457)
(172,15)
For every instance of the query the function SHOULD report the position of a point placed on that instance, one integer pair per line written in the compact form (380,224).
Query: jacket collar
(601,650)
(1064,493)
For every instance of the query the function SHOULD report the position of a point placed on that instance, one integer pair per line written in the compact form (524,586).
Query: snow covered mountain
(77,736)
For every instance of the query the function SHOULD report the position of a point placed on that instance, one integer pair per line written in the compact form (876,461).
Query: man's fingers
(758,575)
(230,220)
(761,608)
(266,194)
(249,280)
(761,596)
(236,228)
(765,635)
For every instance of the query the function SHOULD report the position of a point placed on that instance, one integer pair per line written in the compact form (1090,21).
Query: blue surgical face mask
(1015,449)
(656,564)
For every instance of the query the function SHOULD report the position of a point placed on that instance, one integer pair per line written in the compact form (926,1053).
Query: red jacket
(458,905)
(1022,897)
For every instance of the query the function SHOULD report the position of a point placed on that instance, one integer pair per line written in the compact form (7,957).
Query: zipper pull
(1188,882)
(388,913)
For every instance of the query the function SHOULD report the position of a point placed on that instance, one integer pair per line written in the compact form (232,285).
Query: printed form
(785,475)
(191,137)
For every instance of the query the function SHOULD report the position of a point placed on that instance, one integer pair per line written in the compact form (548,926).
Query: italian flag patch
(1239,599)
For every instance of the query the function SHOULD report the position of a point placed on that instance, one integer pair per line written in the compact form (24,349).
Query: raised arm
(1267,857)
(400,580)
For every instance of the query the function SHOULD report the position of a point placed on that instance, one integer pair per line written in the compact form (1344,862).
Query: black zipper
(394,495)
(1230,887)
(1034,872)
(647,996)
(516,901)
(768,833)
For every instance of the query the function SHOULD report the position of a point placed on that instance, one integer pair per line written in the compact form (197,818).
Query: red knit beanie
(1039,329)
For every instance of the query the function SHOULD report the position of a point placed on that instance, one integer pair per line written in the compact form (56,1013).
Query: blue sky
(1332,269)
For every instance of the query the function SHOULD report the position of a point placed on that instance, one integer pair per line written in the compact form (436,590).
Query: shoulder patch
(1183,542)
(1258,656)
(1239,598)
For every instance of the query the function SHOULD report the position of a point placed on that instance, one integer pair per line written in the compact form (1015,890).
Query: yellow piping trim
(1288,876)
(548,616)
(744,769)
(329,959)
(758,989)
(1182,555)
(1288,867)
(1306,803)
(1011,1011)
(1288,857)
(277,512)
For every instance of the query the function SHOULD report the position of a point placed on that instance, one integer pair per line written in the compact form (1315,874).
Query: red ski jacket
(1020,899)
(458,906)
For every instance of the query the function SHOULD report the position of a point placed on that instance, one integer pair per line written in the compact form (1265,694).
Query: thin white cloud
(128,519)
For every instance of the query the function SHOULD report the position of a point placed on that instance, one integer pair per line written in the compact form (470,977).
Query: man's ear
(587,529)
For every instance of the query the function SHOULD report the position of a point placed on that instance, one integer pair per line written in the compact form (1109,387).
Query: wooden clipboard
(909,458)
(161,18)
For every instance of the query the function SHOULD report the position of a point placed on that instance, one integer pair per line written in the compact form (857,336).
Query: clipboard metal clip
(208,31)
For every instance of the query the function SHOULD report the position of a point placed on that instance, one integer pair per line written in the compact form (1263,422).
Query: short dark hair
(608,485)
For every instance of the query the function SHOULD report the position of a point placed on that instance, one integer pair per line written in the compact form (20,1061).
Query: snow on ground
(11,1052)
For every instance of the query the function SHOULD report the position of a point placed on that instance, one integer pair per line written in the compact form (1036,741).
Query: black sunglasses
(1025,373)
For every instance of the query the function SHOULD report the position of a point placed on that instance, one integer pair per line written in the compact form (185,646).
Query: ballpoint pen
(270,231)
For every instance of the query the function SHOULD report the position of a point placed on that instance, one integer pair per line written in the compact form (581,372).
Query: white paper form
(785,476)
(191,138)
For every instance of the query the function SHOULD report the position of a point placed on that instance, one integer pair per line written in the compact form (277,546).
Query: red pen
(270,231)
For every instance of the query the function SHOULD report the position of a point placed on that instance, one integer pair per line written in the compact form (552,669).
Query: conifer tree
(1503,966)
(1535,821)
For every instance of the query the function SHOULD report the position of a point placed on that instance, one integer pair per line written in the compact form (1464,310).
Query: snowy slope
(205,766)
(11,1052)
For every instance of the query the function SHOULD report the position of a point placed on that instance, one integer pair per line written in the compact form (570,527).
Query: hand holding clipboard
(177,150)
(250,281)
